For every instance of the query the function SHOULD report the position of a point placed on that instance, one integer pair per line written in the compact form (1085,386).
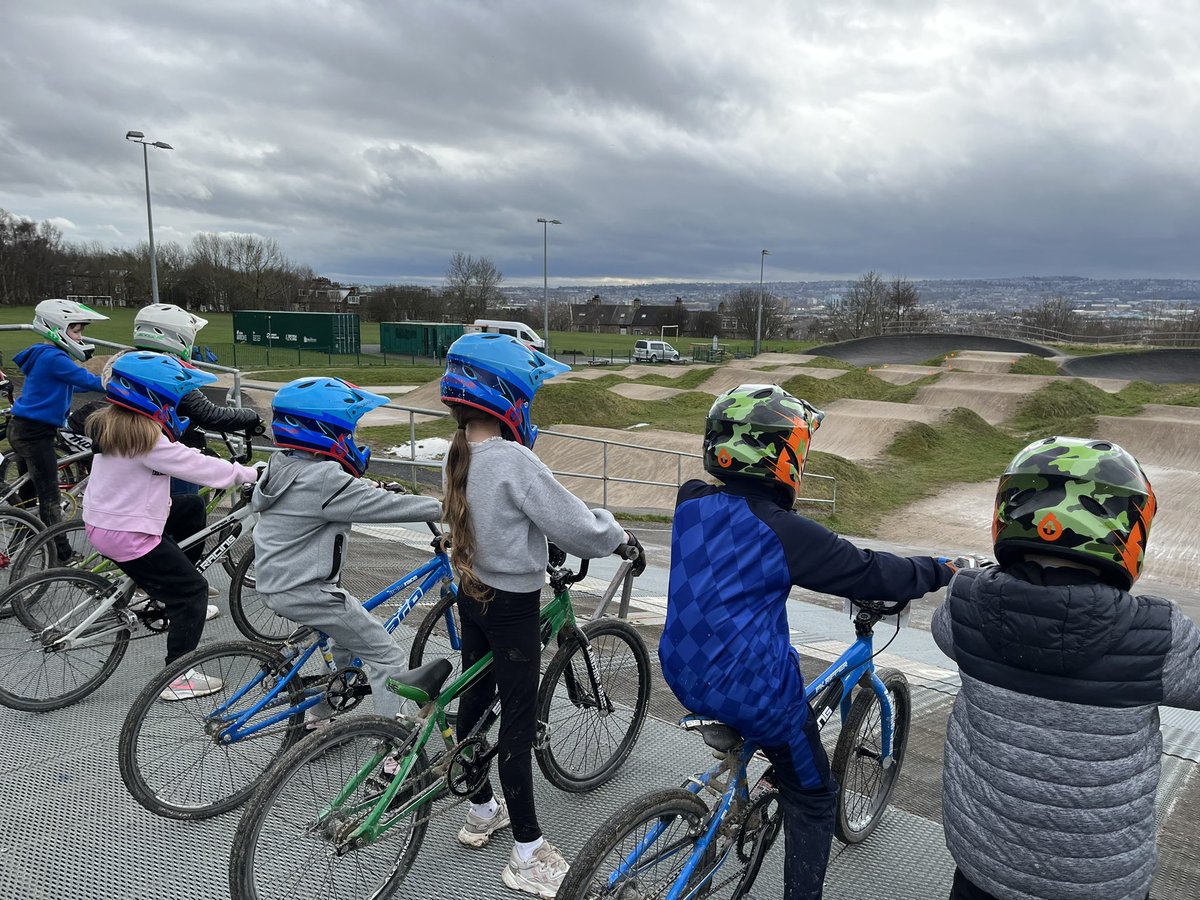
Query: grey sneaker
(541,875)
(478,831)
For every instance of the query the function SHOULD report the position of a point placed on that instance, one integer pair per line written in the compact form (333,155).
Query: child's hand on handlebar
(632,550)
(966,561)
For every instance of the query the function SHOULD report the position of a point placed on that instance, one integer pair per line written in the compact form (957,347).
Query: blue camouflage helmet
(153,384)
(319,414)
(499,375)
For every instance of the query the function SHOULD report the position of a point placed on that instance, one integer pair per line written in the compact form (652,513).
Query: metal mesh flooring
(69,831)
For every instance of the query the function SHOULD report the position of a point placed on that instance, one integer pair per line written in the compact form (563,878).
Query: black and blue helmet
(319,414)
(153,384)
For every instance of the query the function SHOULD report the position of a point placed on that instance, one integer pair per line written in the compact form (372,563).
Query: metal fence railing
(1144,337)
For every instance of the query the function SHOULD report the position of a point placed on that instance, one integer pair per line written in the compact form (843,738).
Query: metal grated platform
(69,831)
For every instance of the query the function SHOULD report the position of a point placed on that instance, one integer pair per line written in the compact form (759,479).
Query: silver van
(653,351)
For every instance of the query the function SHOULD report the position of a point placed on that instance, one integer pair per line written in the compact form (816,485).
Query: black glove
(394,487)
(639,558)
(258,429)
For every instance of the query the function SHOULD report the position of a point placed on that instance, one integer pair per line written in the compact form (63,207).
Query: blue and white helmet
(319,414)
(153,384)
(499,375)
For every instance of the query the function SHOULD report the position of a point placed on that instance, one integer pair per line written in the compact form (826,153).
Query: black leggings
(33,442)
(169,575)
(507,626)
(964,889)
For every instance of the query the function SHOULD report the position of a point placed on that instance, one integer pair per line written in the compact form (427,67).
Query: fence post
(605,473)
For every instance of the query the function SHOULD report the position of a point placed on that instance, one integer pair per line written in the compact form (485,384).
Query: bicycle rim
(640,850)
(251,615)
(284,848)
(17,530)
(36,676)
(583,741)
(171,757)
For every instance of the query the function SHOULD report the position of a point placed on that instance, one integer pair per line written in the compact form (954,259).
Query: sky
(675,140)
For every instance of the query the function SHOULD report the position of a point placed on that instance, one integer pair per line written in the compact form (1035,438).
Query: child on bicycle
(306,501)
(502,503)
(737,549)
(128,509)
(1053,747)
(52,377)
(167,328)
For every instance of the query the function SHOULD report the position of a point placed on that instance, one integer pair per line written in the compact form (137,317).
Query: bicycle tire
(571,730)
(679,813)
(169,758)
(864,788)
(432,641)
(17,529)
(31,675)
(253,618)
(302,769)
(40,553)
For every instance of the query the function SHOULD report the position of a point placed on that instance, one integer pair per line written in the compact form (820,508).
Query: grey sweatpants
(353,632)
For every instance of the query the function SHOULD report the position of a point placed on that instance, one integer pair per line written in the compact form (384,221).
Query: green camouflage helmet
(1085,500)
(759,431)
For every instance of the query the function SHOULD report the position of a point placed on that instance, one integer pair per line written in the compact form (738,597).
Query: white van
(653,351)
(519,330)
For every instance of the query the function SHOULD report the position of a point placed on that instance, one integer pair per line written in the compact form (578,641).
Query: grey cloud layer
(674,139)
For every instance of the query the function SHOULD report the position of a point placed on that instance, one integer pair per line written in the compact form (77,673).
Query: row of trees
(871,306)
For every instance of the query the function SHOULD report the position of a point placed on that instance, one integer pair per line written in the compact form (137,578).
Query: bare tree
(1055,314)
(472,286)
(903,299)
(743,306)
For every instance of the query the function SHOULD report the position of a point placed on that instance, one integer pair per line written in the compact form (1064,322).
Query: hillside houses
(627,318)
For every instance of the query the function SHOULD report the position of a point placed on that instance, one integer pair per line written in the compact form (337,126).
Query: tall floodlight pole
(138,138)
(546,223)
(762,261)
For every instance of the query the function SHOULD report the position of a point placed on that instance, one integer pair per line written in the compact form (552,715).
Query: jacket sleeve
(566,520)
(62,368)
(349,499)
(823,561)
(206,414)
(1181,669)
(184,462)
(943,633)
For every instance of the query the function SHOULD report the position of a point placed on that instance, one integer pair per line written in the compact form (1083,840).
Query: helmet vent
(1101,445)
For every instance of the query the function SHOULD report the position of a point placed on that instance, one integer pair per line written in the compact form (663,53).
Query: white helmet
(167,328)
(51,318)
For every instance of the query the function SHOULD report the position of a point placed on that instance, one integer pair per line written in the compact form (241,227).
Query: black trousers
(507,626)
(169,575)
(33,442)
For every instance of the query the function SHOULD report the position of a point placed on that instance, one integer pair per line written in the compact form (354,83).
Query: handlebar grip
(628,551)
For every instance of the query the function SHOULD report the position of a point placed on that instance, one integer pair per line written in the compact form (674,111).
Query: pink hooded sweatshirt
(133,494)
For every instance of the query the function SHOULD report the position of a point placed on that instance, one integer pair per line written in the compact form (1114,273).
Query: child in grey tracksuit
(306,504)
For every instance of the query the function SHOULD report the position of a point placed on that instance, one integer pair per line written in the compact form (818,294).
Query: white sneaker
(541,875)
(478,830)
(189,685)
(211,613)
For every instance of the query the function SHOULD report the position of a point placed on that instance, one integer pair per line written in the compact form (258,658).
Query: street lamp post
(546,223)
(138,138)
(758,328)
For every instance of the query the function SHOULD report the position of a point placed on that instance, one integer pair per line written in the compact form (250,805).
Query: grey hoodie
(306,504)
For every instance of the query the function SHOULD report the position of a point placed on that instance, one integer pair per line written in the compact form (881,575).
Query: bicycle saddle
(423,683)
(721,737)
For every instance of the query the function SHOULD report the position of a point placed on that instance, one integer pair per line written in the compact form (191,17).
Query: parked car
(653,351)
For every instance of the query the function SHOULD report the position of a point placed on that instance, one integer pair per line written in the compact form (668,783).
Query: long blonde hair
(458,513)
(117,431)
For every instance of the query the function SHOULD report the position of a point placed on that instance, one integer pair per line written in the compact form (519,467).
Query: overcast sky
(676,139)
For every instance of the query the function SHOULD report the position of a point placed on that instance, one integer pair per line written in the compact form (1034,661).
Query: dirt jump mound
(915,348)
(1158,366)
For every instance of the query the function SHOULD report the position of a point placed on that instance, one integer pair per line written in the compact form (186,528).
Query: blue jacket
(736,552)
(51,379)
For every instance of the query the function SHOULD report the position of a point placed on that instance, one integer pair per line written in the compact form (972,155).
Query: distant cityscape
(1106,298)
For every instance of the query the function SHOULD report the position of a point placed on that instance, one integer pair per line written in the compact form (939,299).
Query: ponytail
(458,513)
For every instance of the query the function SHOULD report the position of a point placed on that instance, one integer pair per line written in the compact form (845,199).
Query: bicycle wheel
(251,615)
(865,786)
(36,673)
(17,529)
(243,529)
(40,552)
(433,641)
(661,828)
(285,844)
(170,753)
(581,745)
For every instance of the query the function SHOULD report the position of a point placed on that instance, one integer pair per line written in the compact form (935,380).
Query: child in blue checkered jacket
(737,550)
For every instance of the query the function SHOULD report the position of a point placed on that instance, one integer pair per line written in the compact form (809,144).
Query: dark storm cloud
(675,140)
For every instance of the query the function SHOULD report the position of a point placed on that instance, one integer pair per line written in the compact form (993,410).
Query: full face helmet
(499,375)
(153,384)
(759,431)
(51,318)
(1079,499)
(167,328)
(319,414)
